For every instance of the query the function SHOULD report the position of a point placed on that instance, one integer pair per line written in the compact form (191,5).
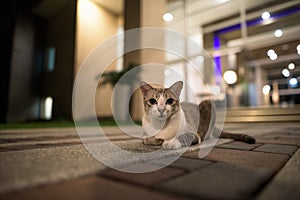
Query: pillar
(139,14)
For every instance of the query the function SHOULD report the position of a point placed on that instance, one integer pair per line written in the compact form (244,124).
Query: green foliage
(112,77)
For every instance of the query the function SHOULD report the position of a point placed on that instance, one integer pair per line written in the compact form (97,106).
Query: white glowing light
(285,72)
(230,77)
(265,15)
(291,66)
(87,11)
(278,33)
(168,17)
(266,89)
(298,47)
(270,52)
(293,82)
(273,56)
(48,107)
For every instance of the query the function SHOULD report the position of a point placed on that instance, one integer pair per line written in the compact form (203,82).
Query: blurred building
(255,46)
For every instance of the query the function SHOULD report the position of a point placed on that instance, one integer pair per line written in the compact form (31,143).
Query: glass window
(51,59)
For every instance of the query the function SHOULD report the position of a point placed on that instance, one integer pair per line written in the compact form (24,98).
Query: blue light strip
(217,42)
(259,20)
(217,59)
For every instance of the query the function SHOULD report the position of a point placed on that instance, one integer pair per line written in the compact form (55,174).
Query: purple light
(217,42)
(217,59)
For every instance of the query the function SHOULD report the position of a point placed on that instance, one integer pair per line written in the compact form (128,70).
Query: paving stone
(88,189)
(269,161)
(239,145)
(29,168)
(277,135)
(35,146)
(146,179)
(277,148)
(280,140)
(286,184)
(290,135)
(218,181)
(187,164)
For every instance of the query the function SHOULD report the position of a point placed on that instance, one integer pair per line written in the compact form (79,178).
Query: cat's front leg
(171,144)
(186,139)
(152,141)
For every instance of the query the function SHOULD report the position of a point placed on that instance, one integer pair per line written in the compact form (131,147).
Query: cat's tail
(207,125)
(237,136)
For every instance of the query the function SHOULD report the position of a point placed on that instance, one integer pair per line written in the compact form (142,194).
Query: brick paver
(277,148)
(145,179)
(286,184)
(268,161)
(239,145)
(288,141)
(218,181)
(89,188)
(28,168)
(52,164)
(286,138)
(185,163)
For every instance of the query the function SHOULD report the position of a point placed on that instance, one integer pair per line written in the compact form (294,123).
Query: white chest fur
(165,129)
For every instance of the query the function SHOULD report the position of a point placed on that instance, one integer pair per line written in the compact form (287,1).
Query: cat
(173,125)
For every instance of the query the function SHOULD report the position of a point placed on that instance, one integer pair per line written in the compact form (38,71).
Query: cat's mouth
(162,116)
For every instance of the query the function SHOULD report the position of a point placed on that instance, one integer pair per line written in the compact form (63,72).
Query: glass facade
(254,46)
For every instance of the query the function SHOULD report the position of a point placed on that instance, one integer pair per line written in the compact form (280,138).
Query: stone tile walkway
(53,164)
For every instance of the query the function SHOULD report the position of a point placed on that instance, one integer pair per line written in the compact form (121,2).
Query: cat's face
(161,103)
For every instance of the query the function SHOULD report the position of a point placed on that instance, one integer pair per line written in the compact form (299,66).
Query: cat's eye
(170,101)
(152,101)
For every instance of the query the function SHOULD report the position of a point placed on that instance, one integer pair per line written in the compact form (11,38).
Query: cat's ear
(176,88)
(145,88)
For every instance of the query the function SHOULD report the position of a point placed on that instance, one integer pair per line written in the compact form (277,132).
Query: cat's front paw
(152,141)
(173,144)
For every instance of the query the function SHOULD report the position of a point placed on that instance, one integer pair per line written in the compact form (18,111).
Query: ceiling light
(291,66)
(285,72)
(168,17)
(265,15)
(270,52)
(266,89)
(273,56)
(298,47)
(230,77)
(278,33)
(293,82)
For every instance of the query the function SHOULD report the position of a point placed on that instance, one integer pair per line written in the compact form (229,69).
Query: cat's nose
(161,110)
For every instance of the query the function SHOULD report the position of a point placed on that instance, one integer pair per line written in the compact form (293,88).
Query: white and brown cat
(172,124)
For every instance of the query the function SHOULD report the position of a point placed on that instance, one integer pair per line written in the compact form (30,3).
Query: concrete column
(139,14)
(275,94)
(132,20)
(259,85)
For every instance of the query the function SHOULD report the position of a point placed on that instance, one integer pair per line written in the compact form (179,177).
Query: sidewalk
(53,164)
